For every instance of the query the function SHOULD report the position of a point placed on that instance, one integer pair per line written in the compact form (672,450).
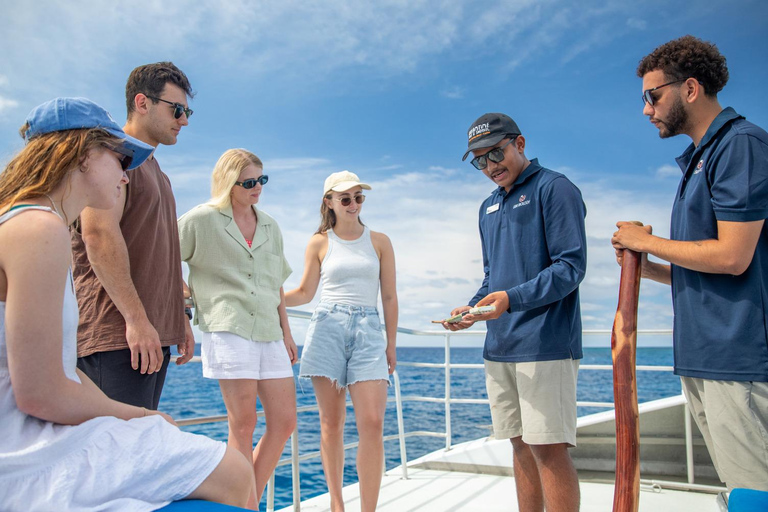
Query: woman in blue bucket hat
(63,444)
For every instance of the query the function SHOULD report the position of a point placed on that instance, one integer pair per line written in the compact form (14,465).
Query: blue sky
(388,90)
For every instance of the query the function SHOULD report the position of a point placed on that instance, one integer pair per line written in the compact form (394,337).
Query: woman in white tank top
(345,347)
(64,445)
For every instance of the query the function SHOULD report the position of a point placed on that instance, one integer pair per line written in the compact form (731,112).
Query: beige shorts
(733,418)
(536,400)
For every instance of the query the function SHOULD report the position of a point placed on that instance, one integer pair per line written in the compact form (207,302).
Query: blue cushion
(199,506)
(747,500)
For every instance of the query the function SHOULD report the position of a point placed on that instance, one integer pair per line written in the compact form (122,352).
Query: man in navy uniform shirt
(718,255)
(534,255)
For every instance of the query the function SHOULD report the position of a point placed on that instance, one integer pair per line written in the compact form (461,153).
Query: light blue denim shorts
(344,344)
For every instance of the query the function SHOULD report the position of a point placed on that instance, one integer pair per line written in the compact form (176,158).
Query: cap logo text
(478,130)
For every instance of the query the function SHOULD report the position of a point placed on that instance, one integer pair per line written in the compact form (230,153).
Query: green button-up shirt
(236,288)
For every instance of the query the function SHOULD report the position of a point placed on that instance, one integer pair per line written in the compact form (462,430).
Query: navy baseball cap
(488,130)
(76,113)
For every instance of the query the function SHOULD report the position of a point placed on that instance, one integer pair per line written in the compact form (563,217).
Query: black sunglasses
(648,96)
(178,108)
(127,158)
(251,182)
(346,201)
(495,155)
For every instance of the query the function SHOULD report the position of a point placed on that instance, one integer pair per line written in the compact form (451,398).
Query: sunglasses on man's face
(127,155)
(178,108)
(252,182)
(346,201)
(495,155)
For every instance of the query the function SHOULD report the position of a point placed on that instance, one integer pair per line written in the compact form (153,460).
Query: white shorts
(228,356)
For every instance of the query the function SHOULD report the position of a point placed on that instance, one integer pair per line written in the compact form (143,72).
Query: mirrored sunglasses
(178,108)
(251,182)
(495,155)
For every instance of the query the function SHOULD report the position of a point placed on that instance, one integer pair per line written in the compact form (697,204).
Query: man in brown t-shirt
(127,260)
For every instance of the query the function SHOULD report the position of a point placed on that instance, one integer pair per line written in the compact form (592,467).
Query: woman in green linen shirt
(236,271)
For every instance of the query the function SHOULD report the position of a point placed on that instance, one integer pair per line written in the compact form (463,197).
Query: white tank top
(350,271)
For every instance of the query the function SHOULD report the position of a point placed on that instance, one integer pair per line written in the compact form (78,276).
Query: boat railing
(448,400)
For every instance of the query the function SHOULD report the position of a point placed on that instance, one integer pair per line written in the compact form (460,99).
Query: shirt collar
(261,220)
(724,118)
(533,168)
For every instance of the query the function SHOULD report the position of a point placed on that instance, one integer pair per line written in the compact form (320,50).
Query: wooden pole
(626,497)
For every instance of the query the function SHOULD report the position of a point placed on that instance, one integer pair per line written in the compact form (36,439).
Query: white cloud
(637,23)
(668,171)
(303,42)
(453,93)
(7,104)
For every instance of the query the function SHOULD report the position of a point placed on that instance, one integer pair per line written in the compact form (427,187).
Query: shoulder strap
(20,208)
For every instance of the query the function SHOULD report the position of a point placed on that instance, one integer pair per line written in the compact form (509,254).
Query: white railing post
(271,493)
(400,426)
(688,444)
(295,470)
(448,392)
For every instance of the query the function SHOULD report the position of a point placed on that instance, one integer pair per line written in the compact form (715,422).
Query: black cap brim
(484,142)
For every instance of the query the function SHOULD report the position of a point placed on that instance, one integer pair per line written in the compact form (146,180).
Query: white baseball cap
(343,180)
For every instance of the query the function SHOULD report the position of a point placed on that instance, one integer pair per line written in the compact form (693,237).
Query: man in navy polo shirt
(718,255)
(535,255)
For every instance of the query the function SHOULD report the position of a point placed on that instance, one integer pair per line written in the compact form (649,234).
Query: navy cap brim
(141,151)
(484,142)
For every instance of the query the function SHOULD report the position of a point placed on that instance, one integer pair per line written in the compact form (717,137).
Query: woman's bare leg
(369,399)
(278,398)
(331,402)
(240,399)
(231,483)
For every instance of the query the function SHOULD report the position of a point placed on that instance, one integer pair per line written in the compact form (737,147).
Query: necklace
(54,206)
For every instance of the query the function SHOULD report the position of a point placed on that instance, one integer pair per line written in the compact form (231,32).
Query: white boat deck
(477,475)
(431,490)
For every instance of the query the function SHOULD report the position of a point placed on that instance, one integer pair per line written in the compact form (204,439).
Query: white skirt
(228,356)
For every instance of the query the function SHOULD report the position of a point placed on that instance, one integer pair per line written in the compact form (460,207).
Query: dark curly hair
(150,80)
(688,57)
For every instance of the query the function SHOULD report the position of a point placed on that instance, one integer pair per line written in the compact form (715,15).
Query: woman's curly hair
(688,57)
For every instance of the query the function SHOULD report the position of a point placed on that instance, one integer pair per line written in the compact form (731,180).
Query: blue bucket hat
(76,113)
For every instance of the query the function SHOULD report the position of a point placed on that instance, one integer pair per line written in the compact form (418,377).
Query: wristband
(188,312)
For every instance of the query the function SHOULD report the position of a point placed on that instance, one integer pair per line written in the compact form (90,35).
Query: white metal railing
(295,458)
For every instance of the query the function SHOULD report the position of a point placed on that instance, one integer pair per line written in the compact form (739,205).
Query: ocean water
(187,394)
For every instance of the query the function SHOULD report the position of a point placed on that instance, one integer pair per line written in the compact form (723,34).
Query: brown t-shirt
(152,237)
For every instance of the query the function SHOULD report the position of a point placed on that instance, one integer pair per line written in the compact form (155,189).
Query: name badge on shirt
(492,208)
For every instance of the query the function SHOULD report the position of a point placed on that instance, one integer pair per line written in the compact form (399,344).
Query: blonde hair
(225,174)
(45,161)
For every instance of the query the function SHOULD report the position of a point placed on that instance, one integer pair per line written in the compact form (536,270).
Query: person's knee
(546,453)
(283,426)
(244,424)
(231,483)
(370,422)
(333,423)
(240,475)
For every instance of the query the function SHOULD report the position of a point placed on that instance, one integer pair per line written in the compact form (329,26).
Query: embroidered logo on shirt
(699,167)
(521,202)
